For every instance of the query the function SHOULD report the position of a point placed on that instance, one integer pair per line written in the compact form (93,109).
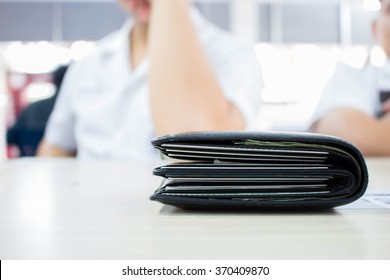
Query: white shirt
(103,108)
(354,88)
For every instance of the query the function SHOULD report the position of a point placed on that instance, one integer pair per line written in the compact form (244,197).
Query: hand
(386,107)
(386,112)
(139,8)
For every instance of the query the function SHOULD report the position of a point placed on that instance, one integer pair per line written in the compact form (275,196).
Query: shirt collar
(115,42)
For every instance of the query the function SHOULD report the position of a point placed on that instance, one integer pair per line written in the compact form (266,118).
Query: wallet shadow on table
(168,210)
(251,171)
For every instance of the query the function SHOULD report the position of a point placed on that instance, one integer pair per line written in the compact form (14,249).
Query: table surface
(68,209)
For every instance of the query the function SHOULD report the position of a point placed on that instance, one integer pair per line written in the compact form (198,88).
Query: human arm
(370,135)
(185,93)
(59,140)
(47,150)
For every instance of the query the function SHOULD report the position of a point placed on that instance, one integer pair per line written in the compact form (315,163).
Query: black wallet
(257,170)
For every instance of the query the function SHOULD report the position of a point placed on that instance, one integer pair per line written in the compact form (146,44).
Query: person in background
(167,71)
(28,130)
(355,104)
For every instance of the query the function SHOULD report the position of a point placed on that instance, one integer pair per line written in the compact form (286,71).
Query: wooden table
(68,209)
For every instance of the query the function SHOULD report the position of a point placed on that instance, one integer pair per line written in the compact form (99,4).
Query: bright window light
(80,49)
(36,57)
(3,101)
(294,77)
(355,56)
(303,68)
(372,5)
(377,56)
(39,91)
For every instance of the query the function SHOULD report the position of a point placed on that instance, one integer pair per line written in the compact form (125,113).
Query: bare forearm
(185,94)
(371,136)
(47,150)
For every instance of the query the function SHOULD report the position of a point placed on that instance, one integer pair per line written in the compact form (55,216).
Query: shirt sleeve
(60,129)
(235,65)
(240,76)
(346,89)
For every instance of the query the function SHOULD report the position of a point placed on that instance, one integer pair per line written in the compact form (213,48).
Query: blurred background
(298,42)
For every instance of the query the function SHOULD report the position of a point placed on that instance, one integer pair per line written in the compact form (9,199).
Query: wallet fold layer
(258,170)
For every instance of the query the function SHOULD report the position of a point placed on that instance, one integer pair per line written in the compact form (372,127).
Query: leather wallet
(257,170)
